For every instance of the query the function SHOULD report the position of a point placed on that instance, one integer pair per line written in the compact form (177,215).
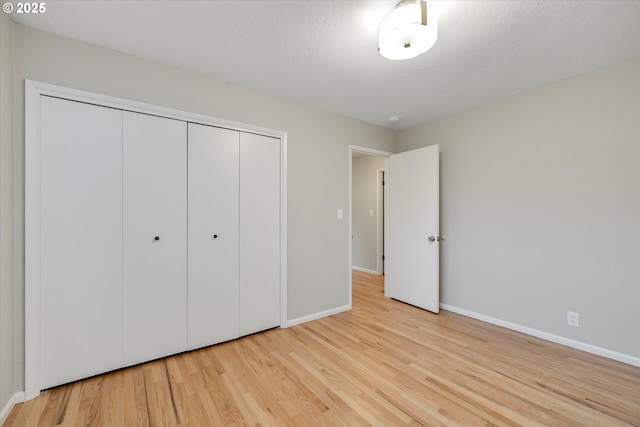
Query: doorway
(380,222)
(366,213)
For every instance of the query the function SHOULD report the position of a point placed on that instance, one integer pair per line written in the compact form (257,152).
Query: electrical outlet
(573,319)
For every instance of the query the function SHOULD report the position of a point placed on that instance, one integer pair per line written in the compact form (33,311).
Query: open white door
(412,232)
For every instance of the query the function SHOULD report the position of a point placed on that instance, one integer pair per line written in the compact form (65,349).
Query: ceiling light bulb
(407,31)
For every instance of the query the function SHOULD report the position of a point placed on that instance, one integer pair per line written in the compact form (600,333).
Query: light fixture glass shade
(407,31)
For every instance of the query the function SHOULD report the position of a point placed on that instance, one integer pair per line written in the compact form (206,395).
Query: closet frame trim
(34,90)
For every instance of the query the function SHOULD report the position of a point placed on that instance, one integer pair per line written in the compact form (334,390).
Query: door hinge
(383,257)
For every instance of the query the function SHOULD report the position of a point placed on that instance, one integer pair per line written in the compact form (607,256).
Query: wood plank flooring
(382,364)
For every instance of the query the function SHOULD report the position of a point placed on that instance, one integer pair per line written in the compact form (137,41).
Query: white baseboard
(16,398)
(318,315)
(589,348)
(364,270)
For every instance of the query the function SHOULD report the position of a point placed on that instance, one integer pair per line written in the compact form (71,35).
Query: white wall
(318,142)
(7,347)
(540,206)
(365,198)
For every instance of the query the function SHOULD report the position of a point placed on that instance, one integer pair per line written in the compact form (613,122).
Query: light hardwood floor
(383,364)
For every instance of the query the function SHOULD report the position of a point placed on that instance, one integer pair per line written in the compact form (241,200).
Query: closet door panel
(259,233)
(155,237)
(81,240)
(213,235)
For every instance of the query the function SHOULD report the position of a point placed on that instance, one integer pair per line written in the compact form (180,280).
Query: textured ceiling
(324,53)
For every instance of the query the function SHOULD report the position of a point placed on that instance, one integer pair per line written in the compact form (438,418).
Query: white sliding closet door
(155,237)
(213,234)
(81,240)
(259,233)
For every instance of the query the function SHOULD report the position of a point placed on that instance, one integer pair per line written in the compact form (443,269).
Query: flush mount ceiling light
(407,31)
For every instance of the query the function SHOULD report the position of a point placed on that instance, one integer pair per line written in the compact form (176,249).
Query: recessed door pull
(156,238)
(215,236)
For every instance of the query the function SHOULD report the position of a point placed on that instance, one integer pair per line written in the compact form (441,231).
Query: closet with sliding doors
(147,235)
